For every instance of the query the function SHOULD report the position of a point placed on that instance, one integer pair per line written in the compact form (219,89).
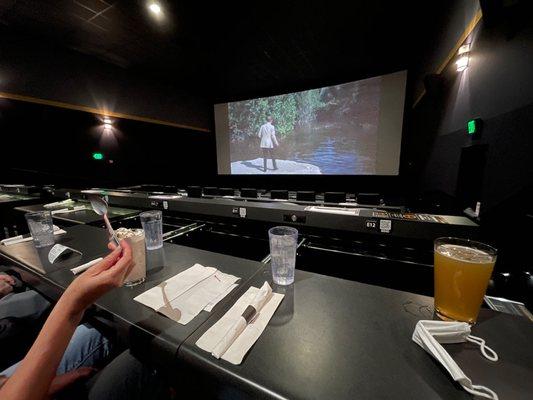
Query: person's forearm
(34,375)
(40,364)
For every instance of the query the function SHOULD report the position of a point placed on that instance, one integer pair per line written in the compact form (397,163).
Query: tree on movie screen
(331,130)
(290,110)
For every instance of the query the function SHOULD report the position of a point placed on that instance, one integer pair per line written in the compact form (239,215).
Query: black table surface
(7,198)
(91,241)
(86,216)
(152,336)
(329,339)
(336,339)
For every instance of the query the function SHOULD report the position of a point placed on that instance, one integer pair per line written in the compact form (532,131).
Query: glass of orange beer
(462,272)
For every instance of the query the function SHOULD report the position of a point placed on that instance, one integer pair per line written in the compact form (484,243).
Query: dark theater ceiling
(230,50)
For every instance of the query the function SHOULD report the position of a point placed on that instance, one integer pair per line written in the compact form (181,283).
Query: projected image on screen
(333,130)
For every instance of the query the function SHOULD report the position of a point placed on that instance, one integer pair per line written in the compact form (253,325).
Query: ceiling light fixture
(155,8)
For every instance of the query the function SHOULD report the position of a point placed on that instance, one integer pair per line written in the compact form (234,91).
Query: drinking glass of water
(283,243)
(41,228)
(152,222)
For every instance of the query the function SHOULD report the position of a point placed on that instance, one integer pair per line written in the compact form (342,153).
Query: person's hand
(5,289)
(7,279)
(6,285)
(99,279)
(111,246)
(63,381)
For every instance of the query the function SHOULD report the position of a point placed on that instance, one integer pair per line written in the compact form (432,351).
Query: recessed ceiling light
(155,8)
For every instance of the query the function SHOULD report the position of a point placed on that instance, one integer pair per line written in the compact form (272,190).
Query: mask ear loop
(482,391)
(484,348)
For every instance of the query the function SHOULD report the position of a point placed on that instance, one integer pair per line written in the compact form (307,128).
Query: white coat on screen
(267,133)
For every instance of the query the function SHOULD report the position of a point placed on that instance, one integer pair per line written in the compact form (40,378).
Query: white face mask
(429,335)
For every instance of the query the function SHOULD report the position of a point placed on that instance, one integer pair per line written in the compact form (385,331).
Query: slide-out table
(329,339)
(86,216)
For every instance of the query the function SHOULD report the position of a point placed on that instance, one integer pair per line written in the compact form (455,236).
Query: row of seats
(306,196)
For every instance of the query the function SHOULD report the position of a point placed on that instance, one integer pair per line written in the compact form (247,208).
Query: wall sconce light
(108,124)
(464,58)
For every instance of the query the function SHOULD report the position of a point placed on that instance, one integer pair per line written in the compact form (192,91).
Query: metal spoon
(100,207)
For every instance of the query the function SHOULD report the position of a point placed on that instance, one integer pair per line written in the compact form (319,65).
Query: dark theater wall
(83,81)
(47,71)
(498,88)
(43,145)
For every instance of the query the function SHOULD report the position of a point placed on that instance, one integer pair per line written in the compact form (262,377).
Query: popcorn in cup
(135,238)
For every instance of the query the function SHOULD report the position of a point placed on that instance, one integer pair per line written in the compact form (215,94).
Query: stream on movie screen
(332,130)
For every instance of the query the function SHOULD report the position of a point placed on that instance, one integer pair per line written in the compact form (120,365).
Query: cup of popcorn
(135,238)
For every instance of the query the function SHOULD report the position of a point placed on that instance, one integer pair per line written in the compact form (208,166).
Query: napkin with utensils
(235,333)
(185,295)
(27,238)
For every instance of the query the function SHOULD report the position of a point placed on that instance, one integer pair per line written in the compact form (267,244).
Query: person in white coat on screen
(267,133)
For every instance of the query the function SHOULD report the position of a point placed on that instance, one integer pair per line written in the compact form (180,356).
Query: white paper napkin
(58,250)
(186,294)
(238,349)
(21,238)
(216,300)
(86,266)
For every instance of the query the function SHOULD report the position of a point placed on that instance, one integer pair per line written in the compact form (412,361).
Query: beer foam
(123,233)
(464,253)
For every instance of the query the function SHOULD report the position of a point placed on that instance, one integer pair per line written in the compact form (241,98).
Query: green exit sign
(98,156)
(473,127)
